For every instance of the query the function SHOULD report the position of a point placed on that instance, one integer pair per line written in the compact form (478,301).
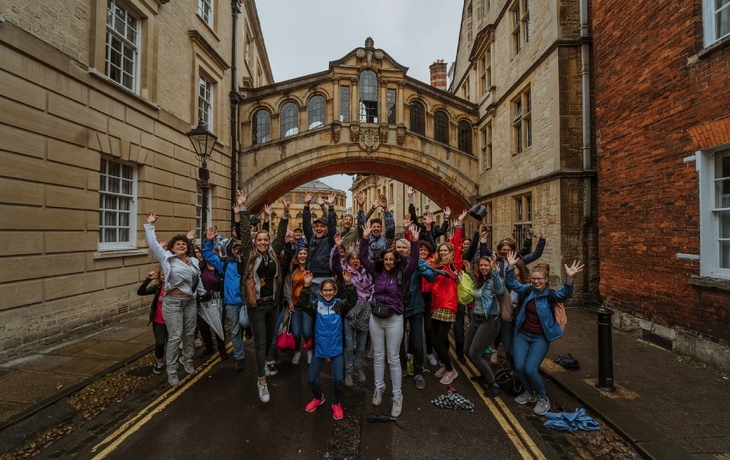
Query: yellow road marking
(134,424)
(521,440)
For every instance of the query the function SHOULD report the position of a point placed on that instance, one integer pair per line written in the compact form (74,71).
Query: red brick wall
(656,102)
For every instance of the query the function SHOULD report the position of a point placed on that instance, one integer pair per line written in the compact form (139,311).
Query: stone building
(663,138)
(396,192)
(296,198)
(96,98)
(520,62)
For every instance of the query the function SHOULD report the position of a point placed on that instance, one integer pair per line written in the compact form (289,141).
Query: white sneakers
(309,356)
(397,407)
(297,357)
(263,392)
(378,396)
(432,360)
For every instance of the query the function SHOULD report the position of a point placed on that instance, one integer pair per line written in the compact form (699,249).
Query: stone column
(383,101)
(354,100)
(336,99)
(399,108)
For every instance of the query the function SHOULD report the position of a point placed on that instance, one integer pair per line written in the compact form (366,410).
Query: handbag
(560,317)
(243,317)
(285,340)
(465,289)
(250,289)
(504,301)
(508,382)
(382,311)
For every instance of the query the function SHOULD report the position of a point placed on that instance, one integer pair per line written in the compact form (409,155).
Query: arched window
(418,118)
(441,127)
(315,111)
(368,97)
(464,131)
(289,118)
(261,127)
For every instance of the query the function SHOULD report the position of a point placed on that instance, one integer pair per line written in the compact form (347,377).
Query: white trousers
(386,334)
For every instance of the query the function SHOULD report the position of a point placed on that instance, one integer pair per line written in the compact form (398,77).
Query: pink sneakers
(314,404)
(337,412)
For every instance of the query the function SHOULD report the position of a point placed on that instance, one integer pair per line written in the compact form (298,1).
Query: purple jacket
(387,291)
(360,279)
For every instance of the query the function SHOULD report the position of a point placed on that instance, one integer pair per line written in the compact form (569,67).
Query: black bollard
(605,350)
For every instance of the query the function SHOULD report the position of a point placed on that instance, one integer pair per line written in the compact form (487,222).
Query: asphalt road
(216,413)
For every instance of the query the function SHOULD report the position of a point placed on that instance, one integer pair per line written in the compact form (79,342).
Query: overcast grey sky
(303,36)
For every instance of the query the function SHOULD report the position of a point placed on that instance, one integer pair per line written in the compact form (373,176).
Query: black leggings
(160,331)
(428,327)
(441,341)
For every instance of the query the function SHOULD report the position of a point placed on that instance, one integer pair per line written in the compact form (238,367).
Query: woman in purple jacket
(390,272)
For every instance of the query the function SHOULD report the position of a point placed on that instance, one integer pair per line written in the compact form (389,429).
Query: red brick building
(662,104)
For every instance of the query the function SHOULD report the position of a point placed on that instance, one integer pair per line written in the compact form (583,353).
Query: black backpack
(508,381)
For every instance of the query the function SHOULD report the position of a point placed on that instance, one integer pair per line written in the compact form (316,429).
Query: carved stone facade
(80,142)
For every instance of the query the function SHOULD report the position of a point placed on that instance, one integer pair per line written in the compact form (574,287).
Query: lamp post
(203,142)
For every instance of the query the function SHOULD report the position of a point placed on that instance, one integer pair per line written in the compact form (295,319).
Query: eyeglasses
(537,279)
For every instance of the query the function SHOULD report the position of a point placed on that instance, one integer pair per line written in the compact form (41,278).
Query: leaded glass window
(261,127)
(289,119)
(418,119)
(315,111)
(464,130)
(345,104)
(391,106)
(368,97)
(441,127)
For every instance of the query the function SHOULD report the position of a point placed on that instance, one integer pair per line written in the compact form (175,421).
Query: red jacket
(443,291)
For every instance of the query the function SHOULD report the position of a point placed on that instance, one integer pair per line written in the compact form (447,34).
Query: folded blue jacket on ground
(578,420)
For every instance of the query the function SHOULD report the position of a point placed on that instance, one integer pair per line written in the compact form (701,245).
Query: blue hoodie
(231,277)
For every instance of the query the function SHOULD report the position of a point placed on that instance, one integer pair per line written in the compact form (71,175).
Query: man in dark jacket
(320,241)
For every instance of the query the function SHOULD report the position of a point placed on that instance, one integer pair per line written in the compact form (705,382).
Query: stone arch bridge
(363,115)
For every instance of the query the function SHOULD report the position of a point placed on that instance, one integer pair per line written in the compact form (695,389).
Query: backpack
(508,382)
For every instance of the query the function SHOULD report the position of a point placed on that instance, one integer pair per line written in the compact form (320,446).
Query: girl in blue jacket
(328,311)
(536,327)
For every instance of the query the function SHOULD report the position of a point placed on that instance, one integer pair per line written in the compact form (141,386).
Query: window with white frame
(487,146)
(716,18)
(522,122)
(520,13)
(714,169)
(122,45)
(205,102)
(117,211)
(522,217)
(205,11)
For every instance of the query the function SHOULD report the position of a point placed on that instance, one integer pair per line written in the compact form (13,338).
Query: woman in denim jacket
(536,327)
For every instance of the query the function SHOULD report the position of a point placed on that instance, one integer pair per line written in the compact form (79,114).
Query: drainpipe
(586,148)
(235,99)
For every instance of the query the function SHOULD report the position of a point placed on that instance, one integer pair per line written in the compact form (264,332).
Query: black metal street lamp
(203,142)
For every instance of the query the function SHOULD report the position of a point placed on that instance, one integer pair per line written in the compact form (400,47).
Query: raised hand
(191,235)
(353,246)
(415,232)
(267,210)
(289,236)
(308,277)
(383,202)
(162,242)
(573,270)
(151,275)
(286,205)
(360,197)
(542,233)
(347,276)
(338,239)
(447,212)
(484,237)
(211,233)
(331,199)
(407,221)
(410,191)
(236,208)
(460,219)
(241,198)
(151,217)
(308,197)
(376,203)
(512,258)
(366,230)
(493,262)
(320,201)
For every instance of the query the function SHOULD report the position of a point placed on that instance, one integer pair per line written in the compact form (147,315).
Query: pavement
(666,406)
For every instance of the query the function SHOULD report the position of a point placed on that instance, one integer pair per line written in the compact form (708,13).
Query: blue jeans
(354,346)
(313,378)
(415,343)
(301,326)
(529,350)
(279,320)
(508,340)
(232,315)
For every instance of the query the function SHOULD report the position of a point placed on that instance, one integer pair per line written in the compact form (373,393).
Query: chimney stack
(438,74)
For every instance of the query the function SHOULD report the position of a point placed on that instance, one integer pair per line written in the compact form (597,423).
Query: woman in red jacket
(444,299)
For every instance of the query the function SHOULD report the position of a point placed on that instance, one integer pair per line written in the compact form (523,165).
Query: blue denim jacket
(550,327)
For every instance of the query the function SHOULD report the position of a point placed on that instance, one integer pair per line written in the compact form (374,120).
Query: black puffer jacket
(145,289)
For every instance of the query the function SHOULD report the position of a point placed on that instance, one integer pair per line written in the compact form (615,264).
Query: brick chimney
(438,74)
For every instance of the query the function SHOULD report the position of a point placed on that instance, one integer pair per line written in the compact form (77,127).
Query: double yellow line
(511,426)
(138,421)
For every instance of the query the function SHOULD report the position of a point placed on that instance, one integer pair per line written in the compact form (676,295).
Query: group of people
(343,288)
